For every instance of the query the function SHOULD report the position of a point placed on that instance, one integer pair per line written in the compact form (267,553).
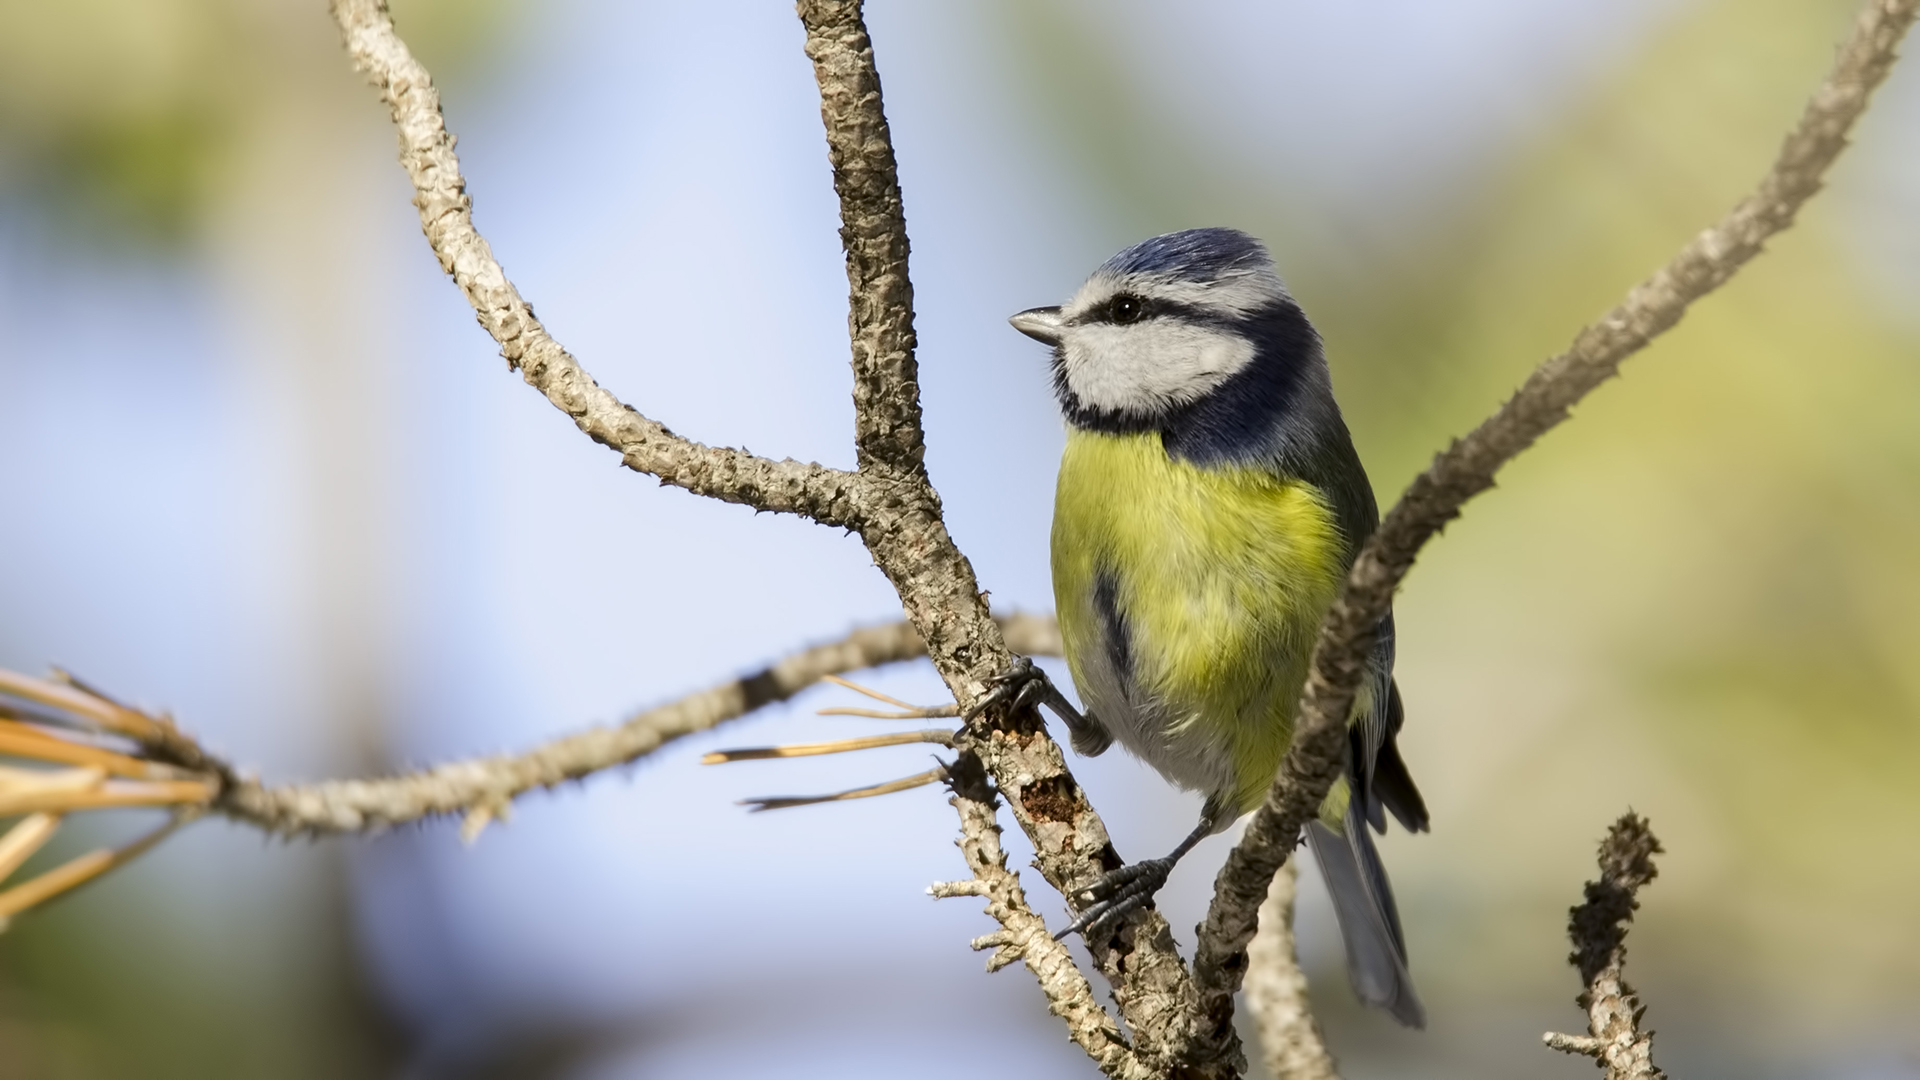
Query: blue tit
(1210,503)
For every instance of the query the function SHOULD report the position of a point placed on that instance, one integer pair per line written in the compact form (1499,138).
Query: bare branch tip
(946,890)
(1584,1045)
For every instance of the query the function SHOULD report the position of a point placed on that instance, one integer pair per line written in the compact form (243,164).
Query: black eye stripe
(1124,309)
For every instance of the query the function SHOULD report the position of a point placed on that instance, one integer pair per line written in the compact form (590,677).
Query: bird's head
(1165,323)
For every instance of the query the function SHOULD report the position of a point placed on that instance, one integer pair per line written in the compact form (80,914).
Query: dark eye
(1124,309)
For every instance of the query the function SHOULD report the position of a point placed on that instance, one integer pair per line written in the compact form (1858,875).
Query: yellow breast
(1220,575)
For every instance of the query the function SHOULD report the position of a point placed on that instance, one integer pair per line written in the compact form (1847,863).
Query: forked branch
(889,501)
(826,495)
(907,536)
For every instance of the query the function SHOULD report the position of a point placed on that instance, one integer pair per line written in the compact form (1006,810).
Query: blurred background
(263,470)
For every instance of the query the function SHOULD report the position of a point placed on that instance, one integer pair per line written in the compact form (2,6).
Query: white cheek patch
(1149,366)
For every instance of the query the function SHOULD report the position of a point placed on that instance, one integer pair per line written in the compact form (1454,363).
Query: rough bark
(485,786)
(1291,1045)
(1598,928)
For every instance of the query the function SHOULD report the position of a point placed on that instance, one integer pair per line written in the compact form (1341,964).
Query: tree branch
(1024,934)
(484,786)
(1290,1040)
(873,231)
(829,496)
(905,532)
(1467,468)
(1598,928)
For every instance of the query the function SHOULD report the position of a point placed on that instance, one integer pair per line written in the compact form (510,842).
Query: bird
(1210,502)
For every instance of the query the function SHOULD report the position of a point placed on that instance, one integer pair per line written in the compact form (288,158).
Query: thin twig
(932,712)
(1468,466)
(1023,934)
(869,691)
(488,784)
(904,710)
(906,783)
(1598,929)
(1290,1040)
(826,495)
(935,736)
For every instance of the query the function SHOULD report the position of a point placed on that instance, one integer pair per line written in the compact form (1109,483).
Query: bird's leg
(1023,684)
(1122,892)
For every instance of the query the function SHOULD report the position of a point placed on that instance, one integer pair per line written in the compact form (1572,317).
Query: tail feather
(1369,921)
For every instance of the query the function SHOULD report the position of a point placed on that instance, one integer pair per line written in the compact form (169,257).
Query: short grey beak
(1042,324)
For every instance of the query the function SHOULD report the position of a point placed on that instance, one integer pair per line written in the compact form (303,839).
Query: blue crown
(1198,255)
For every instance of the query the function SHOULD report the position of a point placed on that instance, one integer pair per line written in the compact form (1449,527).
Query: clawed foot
(1025,684)
(1021,685)
(1119,893)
